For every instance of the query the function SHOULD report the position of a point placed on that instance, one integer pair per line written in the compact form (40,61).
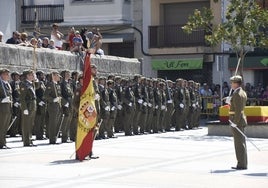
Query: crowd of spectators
(213,96)
(75,41)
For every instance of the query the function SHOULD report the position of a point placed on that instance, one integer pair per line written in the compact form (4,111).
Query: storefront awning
(250,63)
(177,64)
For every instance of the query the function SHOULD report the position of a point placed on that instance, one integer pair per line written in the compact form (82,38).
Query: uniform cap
(110,81)
(56,72)
(117,78)
(26,72)
(190,81)
(4,70)
(15,73)
(102,78)
(236,79)
(179,80)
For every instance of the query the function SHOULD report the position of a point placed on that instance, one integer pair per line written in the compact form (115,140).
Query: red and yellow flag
(87,117)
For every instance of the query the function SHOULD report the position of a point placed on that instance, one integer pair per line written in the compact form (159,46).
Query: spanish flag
(87,114)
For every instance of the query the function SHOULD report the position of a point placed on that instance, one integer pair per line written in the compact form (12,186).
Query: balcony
(45,13)
(173,36)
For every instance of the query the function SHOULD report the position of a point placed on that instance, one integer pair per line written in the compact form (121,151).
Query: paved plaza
(173,159)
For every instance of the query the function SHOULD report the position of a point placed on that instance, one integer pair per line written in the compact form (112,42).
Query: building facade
(146,29)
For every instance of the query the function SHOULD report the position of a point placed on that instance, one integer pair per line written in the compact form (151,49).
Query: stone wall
(19,58)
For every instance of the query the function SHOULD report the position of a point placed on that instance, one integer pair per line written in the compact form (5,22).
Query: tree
(244,28)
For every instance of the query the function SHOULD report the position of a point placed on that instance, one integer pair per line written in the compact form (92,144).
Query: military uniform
(198,106)
(151,106)
(67,108)
(179,105)
(192,105)
(170,107)
(53,97)
(237,116)
(139,103)
(104,109)
(5,108)
(28,109)
(119,121)
(129,105)
(16,127)
(144,110)
(187,107)
(41,111)
(163,108)
(156,117)
(113,111)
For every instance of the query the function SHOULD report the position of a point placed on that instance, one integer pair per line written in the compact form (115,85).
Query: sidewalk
(174,159)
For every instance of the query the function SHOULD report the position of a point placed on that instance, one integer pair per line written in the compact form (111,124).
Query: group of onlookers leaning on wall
(76,41)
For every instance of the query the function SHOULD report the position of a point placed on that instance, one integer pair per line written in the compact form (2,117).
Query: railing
(173,36)
(45,13)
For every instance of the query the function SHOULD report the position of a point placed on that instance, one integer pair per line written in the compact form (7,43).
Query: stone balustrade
(19,58)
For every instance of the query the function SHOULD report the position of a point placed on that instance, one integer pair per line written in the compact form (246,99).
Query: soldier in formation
(46,105)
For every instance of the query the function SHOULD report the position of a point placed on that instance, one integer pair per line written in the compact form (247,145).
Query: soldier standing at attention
(53,98)
(129,106)
(150,105)
(5,106)
(28,107)
(192,107)
(139,103)
(170,105)
(198,105)
(237,116)
(15,85)
(187,104)
(118,125)
(41,107)
(163,107)
(179,103)
(144,108)
(104,107)
(157,102)
(67,101)
(114,104)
